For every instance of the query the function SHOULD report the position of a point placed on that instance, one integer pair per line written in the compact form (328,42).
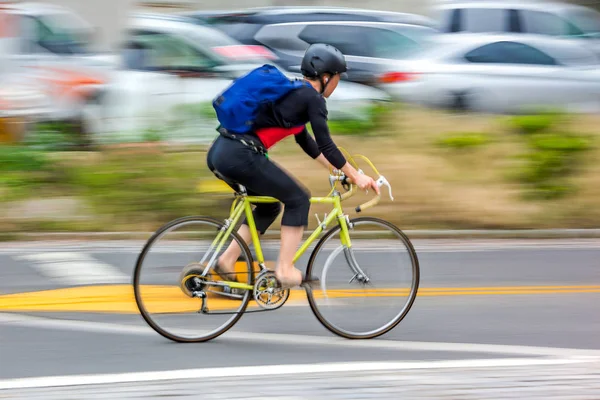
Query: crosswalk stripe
(74,268)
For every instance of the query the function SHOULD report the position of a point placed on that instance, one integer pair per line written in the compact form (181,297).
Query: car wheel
(461,101)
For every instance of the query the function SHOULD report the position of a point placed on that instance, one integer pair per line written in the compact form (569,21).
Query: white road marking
(74,268)
(428,246)
(270,370)
(306,340)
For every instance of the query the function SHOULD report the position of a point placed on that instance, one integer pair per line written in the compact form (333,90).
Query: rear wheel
(169,281)
(368,288)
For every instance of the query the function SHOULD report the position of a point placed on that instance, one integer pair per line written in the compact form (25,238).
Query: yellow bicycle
(367,268)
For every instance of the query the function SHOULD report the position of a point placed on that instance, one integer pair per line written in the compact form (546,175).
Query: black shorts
(238,163)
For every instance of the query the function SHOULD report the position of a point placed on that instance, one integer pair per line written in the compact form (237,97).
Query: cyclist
(241,159)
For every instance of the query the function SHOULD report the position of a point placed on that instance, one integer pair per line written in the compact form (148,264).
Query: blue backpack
(237,106)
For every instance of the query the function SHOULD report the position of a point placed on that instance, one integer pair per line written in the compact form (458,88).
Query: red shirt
(270,136)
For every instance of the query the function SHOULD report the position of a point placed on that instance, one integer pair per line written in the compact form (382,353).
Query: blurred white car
(47,49)
(501,73)
(21,104)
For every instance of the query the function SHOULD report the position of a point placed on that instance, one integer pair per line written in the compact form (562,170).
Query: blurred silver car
(501,73)
(370,48)
(550,18)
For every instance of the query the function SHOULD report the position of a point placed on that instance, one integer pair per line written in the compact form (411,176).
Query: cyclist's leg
(264,215)
(295,218)
(261,176)
(275,182)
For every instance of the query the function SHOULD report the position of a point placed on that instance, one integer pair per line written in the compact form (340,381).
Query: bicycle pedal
(311,283)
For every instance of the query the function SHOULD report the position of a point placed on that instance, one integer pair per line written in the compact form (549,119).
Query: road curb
(274,234)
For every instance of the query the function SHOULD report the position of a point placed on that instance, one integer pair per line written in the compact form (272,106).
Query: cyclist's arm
(324,162)
(311,148)
(317,113)
(307,144)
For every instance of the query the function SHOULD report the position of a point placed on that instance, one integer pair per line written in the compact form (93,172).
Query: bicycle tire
(136,278)
(413,293)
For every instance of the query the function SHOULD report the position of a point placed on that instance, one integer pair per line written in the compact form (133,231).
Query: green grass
(446,172)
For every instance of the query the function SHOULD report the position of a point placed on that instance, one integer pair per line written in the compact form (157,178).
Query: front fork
(346,226)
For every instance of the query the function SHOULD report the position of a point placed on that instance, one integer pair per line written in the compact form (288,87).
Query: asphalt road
(493,319)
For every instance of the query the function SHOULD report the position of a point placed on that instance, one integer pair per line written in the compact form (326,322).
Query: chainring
(268,293)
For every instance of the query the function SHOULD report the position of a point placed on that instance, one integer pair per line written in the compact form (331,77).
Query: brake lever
(345,184)
(381,181)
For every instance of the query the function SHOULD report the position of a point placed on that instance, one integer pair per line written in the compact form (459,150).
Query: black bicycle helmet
(321,58)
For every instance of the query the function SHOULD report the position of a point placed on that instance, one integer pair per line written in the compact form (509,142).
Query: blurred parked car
(169,62)
(527,16)
(504,73)
(175,44)
(20,105)
(48,47)
(47,32)
(369,39)
(247,22)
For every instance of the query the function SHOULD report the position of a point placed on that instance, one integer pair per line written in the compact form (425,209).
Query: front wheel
(366,288)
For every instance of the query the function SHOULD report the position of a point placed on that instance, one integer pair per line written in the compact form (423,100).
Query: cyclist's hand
(365,182)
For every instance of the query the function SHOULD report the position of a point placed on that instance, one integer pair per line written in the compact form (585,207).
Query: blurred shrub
(204,110)
(21,158)
(22,171)
(559,142)
(534,123)
(152,135)
(55,136)
(375,116)
(350,127)
(141,184)
(463,140)
(551,159)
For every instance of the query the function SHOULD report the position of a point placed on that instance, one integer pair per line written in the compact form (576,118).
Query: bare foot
(289,277)
(225,269)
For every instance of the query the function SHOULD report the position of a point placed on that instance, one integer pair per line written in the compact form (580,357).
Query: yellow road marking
(159,299)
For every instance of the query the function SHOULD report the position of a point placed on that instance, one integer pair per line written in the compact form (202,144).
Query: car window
(53,34)
(210,37)
(587,21)
(485,20)
(242,32)
(350,40)
(170,52)
(392,45)
(367,41)
(545,23)
(313,17)
(509,53)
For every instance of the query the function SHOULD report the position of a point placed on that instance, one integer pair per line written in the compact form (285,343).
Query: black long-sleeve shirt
(300,107)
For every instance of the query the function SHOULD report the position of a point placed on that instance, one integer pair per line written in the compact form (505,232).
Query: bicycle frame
(245,207)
